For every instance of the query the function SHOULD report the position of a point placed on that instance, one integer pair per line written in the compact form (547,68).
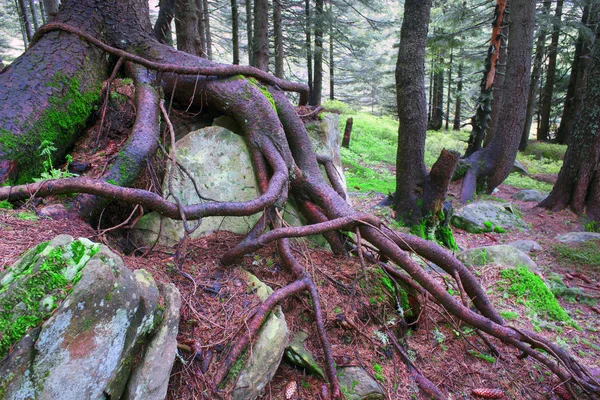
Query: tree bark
(546,108)
(489,167)
(162,27)
(449,89)
(235,32)
(347,133)
(51,8)
(458,104)
(260,56)
(201,29)
(498,80)
(308,44)
(578,184)
(26,20)
(437,102)
(249,32)
(186,27)
(207,33)
(319,22)
(32,7)
(331,58)
(277,26)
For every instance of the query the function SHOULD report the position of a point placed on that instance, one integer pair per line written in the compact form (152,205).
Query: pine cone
(488,393)
(290,390)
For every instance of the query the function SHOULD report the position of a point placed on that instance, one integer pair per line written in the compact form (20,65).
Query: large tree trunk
(162,27)
(207,33)
(34,16)
(437,100)
(331,58)
(458,104)
(548,91)
(186,26)
(51,8)
(574,98)
(315,98)
(260,50)
(489,167)
(498,80)
(578,184)
(448,98)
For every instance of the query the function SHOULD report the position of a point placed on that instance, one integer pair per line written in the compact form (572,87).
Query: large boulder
(578,237)
(218,159)
(73,322)
(262,362)
(488,216)
(297,354)
(358,385)
(529,195)
(525,246)
(504,255)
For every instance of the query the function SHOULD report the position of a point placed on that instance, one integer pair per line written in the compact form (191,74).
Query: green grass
(550,151)
(524,182)
(586,253)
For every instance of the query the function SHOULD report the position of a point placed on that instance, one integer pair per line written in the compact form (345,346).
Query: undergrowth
(586,253)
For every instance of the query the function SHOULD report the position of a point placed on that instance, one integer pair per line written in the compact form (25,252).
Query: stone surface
(87,347)
(520,168)
(297,354)
(358,385)
(485,216)
(267,351)
(219,160)
(499,255)
(578,237)
(150,379)
(526,246)
(529,195)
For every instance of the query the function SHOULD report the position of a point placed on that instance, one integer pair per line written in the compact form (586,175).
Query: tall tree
(319,22)
(278,29)
(578,184)
(249,31)
(437,95)
(548,91)
(458,101)
(26,20)
(488,167)
(186,27)
(34,16)
(260,41)
(419,195)
(162,27)
(51,8)
(207,33)
(235,32)
(308,44)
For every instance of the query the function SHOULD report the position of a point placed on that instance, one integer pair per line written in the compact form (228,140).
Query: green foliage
(587,253)
(46,151)
(547,150)
(509,315)
(378,372)
(524,182)
(337,106)
(28,216)
(6,205)
(482,356)
(589,226)
(524,284)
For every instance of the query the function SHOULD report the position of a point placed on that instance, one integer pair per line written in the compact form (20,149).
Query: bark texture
(260,42)
(235,31)
(317,92)
(278,28)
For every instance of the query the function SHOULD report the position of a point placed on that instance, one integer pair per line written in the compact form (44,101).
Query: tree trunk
(331,59)
(162,27)
(574,97)
(498,81)
(347,133)
(578,184)
(546,108)
(51,9)
(207,33)
(22,27)
(36,23)
(249,32)
(26,20)
(186,27)
(449,89)
(535,81)
(437,102)
(201,29)
(487,168)
(458,105)
(319,22)
(260,57)
(308,44)
(277,26)
(235,32)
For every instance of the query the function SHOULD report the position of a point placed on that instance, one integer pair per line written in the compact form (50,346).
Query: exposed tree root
(285,162)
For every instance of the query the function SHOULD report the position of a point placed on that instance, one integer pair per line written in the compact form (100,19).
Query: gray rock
(86,348)
(358,385)
(504,255)
(150,379)
(297,354)
(520,168)
(487,216)
(529,195)
(526,246)
(578,237)
(267,351)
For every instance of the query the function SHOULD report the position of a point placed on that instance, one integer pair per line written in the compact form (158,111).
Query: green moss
(66,113)
(482,356)
(509,315)
(4,204)
(264,90)
(524,284)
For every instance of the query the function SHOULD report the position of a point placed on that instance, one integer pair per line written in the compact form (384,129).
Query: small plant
(378,372)
(482,356)
(509,315)
(4,204)
(46,150)
(438,336)
(28,216)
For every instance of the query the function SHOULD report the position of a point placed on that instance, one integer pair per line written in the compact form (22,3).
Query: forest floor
(360,314)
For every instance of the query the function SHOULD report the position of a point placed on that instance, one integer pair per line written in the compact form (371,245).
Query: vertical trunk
(309,61)
(318,66)
(162,27)
(207,34)
(491,165)
(449,88)
(186,26)
(36,23)
(575,89)
(22,24)
(458,105)
(578,184)
(260,42)
(277,27)
(249,32)
(331,60)
(430,98)
(235,32)
(26,20)
(201,29)
(544,128)
(498,82)
(347,133)
(437,104)
(43,12)
(535,82)
(51,8)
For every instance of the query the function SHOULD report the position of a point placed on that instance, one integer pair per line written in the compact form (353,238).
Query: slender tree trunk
(331,59)
(36,23)
(573,100)
(22,27)
(277,25)
(449,89)
(201,29)
(26,20)
(51,8)
(249,32)
(437,103)
(308,44)
(458,105)
(431,83)
(546,108)
(235,32)
(208,35)
(535,81)
(260,43)
(578,184)
(498,80)
(318,65)
(162,27)
(186,26)
(43,12)
(492,164)
(347,133)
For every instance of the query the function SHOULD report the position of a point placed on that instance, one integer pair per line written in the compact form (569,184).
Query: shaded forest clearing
(360,316)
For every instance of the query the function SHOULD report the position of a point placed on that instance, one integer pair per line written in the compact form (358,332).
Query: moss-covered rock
(488,216)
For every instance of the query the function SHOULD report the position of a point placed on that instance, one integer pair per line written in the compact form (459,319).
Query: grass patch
(524,182)
(550,151)
(586,253)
